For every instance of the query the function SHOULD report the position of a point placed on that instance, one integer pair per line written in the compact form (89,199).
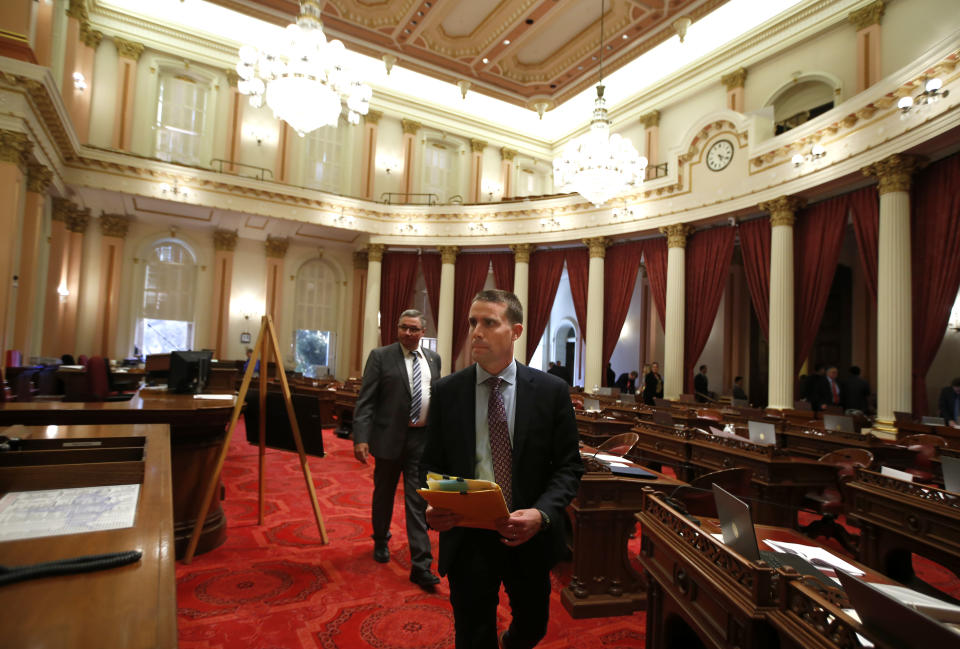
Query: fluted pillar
(54,301)
(894,292)
(521,281)
(357,327)
(734,83)
(866,21)
(371,304)
(368,169)
(507,156)
(27,326)
(448,255)
(593,370)
(276,250)
(410,129)
(651,136)
(781,362)
(128,54)
(474,191)
(113,228)
(14,149)
(281,165)
(77,222)
(224,244)
(235,104)
(82,44)
(676,291)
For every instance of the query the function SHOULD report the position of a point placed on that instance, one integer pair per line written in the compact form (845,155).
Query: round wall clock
(719,155)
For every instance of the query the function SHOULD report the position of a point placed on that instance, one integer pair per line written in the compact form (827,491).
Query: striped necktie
(500,450)
(415,402)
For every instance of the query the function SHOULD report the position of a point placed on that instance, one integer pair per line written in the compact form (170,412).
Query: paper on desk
(811,552)
(213,396)
(53,512)
(866,644)
(604,457)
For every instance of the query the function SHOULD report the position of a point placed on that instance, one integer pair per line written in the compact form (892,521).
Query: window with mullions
(316,297)
(323,164)
(181,110)
(439,169)
(165,322)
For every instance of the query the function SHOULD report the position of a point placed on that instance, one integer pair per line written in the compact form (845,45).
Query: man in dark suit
(610,376)
(738,391)
(815,387)
(652,384)
(950,403)
(557,371)
(701,386)
(856,391)
(500,420)
(389,422)
(627,383)
(830,394)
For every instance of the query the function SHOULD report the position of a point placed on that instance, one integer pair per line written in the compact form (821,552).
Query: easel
(266,341)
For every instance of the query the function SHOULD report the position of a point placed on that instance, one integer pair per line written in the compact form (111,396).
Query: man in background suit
(738,391)
(831,394)
(500,420)
(652,384)
(389,422)
(701,386)
(856,391)
(627,383)
(950,403)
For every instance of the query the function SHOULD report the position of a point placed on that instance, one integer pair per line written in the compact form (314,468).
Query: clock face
(719,155)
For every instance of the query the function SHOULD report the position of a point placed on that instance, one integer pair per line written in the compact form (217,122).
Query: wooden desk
(197,431)
(604,583)
(343,404)
(132,607)
(595,429)
(815,442)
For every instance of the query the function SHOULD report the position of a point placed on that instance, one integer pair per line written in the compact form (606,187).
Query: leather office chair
(99,382)
(619,445)
(829,501)
(13,358)
(927,448)
(697,497)
(577,401)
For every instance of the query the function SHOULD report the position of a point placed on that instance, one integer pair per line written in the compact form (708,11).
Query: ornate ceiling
(521,51)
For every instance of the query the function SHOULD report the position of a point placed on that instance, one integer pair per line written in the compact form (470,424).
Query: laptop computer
(933,421)
(663,417)
(736,523)
(762,433)
(951,473)
(893,620)
(840,423)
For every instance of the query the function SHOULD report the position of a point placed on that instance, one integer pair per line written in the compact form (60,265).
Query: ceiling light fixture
(303,76)
(597,165)
(930,95)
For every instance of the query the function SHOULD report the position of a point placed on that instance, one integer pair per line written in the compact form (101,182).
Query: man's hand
(519,527)
(442,519)
(361,451)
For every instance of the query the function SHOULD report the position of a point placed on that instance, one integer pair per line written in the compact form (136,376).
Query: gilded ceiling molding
(477,146)
(410,127)
(128,49)
(448,254)
(651,119)
(225,240)
(783,209)
(895,173)
(867,16)
(677,234)
(521,252)
(276,247)
(373,117)
(735,79)
(78,219)
(507,154)
(359,259)
(597,246)
(15,147)
(39,178)
(375,252)
(114,225)
(62,207)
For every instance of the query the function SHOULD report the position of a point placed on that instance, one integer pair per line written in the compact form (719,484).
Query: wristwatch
(544,521)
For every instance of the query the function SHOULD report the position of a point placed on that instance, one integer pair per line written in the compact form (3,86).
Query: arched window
(165,321)
(324,158)
(181,115)
(316,297)
(801,102)
(441,168)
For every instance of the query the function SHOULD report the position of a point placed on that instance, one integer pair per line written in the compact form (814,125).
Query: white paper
(814,555)
(605,457)
(896,473)
(53,512)
(213,396)
(863,641)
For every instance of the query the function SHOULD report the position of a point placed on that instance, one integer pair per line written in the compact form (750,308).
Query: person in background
(701,386)
(256,368)
(950,403)
(653,384)
(815,387)
(856,391)
(611,376)
(627,383)
(557,371)
(738,391)
(830,392)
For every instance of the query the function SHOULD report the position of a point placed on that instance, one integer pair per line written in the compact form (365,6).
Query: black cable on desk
(89,563)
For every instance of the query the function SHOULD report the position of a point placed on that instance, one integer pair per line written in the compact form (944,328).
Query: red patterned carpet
(276,587)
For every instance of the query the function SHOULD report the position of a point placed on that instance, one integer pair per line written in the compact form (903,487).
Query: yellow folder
(479,502)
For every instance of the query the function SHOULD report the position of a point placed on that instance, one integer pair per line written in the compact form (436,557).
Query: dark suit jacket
(947,396)
(700,387)
(652,388)
(382,413)
(546,454)
(856,393)
(825,394)
(626,384)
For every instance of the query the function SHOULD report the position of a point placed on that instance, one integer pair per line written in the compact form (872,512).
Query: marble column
(14,149)
(475,189)
(781,372)
(26,336)
(594,368)
(235,103)
(275,249)
(866,21)
(410,129)
(77,222)
(651,136)
(113,228)
(368,169)
(676,304)
(371,303)
(507,156)
(82,44)
(894,291)
(224,244)
(448,256)
(128,54)
(734,83)
(54,298)
(356,311)
(521,281)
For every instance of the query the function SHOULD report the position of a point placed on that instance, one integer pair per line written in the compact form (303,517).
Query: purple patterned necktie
(500,440)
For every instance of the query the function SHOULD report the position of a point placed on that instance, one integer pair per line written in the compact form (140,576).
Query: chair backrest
(13,358)
(23,386)
(577,401)
(698,498)
(848,460)
(48,383)
(97,376)
(82,359)
(619,444)
(926,446)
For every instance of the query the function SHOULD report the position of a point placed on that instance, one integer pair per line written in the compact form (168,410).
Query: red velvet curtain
(470,277)
(546,267)
(935,260)
(503,267)
(865,210)
(430,263)
(578,271)
(619,277)
(655,259)
(816,248)
(707,264)
(398,276)
(755,247)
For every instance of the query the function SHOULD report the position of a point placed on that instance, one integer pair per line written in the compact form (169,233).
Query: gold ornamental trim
(90,37)
(895,173)
(735,79)
(477,146)
(651,119)
(521,252)
(276,247)
(39,178)
(373,117)
(375,252)
(78,219)
(61,209)
(677,234)
(225,240)
(15,147)
(232,77)
(448,254)
(359,259)
(507,154)
(867,16)
(783,209)
(114,225)
(597,246)
(128,49)
(410,127)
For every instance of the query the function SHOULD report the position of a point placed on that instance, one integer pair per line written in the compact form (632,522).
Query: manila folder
(479,507)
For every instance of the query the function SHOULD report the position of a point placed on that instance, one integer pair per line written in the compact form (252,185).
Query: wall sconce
(344,220)
(174,190)
(63,291)
(625,212)
(816,152)
(930,95)
(407,228)
(478,227)
(388,164)
(79,81)
(490,188)
(550,224)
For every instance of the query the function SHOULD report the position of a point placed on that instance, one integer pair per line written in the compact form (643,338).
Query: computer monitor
(951,473)
(840,423)
(188,371)
(933,421)
(762,432)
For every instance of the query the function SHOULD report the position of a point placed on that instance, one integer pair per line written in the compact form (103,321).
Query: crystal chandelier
(303,76)
(597,165)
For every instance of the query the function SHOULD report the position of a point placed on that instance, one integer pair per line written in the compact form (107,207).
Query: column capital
(39,178)
(375,251)
(359,259)
(521,252)
(507,154)
(225,240)
(77,9)
(477,146)
(128,49)
(735,79)
(114,225)
(895,173)
(276,247)
(14,147)
(90,37)
(61,209)
(597,246)
(448,254)
(232,78)
(651,119)
(677,234)
(410,127)
(78,219)
(867,16)
(783,209)
(373,117)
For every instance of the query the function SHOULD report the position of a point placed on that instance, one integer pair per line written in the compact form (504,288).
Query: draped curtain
(503,267)
(399,271)
(707,266)
(655,258)
(430,263)
(755,247)
(816,249)
(546,267)
(471,275)
(935,261)
(578,271)
(865,213)
(619,277)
